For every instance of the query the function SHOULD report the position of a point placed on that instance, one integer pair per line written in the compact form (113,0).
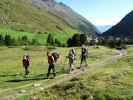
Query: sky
(101,12)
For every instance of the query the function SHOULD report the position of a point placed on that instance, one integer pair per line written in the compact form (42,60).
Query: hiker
(71,56)
(26,63)
(84,56)
(51,62)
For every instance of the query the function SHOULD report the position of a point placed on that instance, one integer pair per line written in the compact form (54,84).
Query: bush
(77,40)
(7,40)
(57,42)
(99,96)
(69,42)
(1,40)
(34,42)
(83,39)
(92,42)
(50,39)
(24,40)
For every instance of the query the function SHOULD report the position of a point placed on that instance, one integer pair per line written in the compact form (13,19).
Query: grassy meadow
(40,37)
(109,82)
(11,70)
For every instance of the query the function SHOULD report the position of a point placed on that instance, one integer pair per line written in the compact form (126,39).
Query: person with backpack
(51,62)
(71,56)
(84,56)
(56,56)
(26,63)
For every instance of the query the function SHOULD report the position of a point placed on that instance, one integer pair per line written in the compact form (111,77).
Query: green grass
(11,70)
(109,82)
(11,66)
(41,38)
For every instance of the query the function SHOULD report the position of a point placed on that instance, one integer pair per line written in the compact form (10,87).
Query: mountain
(103,28)
(42,16)
(65,13)
(23,16)
(123,29)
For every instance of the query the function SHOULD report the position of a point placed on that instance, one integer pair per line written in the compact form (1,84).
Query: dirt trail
(11,94)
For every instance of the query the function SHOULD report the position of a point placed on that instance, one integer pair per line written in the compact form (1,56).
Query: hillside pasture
(11,71)
(109,82)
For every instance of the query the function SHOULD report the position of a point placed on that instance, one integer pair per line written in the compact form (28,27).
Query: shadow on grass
(8,75)
(34,78)
(26,79)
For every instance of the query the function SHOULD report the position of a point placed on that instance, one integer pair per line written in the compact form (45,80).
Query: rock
(91,97)
(41,88)
(17,74)
(36,85)
(125,72)
(33,98)
(115,77)
(22,91)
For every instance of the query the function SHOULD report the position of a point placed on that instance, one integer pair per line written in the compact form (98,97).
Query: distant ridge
(123,29)
(103,28)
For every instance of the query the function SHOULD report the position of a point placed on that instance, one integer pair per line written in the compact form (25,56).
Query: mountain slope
(123,29)
(20,15)
(28,15)
(65,13)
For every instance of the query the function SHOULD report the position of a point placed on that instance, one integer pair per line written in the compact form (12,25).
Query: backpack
(26,62)
(56,56)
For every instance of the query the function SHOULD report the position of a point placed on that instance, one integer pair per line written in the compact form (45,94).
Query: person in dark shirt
(84,56)
(51,62)
(26,64)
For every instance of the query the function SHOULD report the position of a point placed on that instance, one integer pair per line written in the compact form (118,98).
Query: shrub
(99,96)
(34,42)
(24,40)
(50,39)
(1,40)
(7,40)
(57,42)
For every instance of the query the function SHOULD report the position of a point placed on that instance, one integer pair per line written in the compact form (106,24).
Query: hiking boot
(70,72)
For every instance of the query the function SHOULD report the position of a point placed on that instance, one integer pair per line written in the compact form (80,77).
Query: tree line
(110,41)
(75,40)
(113,42)
(10,41)
(51,40)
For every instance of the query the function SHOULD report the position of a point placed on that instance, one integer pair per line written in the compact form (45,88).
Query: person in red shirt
(26,64)
(51,62)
